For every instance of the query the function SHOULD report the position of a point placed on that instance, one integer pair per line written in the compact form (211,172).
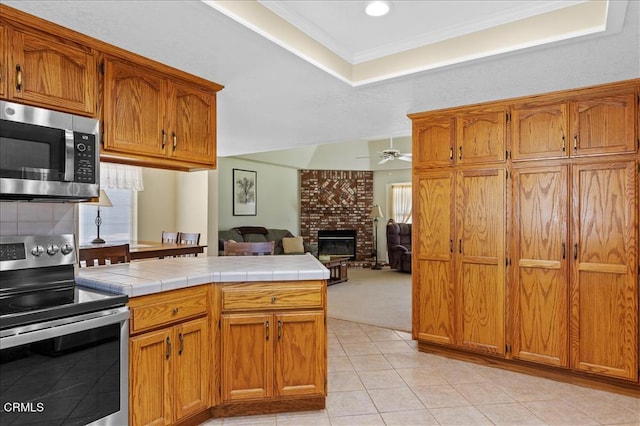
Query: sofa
(399,246)
(259,233)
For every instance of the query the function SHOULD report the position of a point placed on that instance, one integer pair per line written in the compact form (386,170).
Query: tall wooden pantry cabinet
(526,242)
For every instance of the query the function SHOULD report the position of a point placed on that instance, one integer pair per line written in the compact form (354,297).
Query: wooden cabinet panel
(299,366)
(191,379)
(539,291)
(604,284)
(149,379)
(133,110)
(604,123)
(433,142)
(193,133)
(433,298)
(247,356)
(3,61)
(539,131)
(53,72)
(480,264)
(273,295)
(480,137)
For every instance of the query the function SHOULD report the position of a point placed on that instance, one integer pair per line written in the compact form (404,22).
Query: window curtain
(401,202)
(121,176)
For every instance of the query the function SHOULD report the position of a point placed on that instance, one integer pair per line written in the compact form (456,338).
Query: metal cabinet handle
(164,138)
(273,299)
(18,78)
(564,251)
(460,246)
(175,310)
(564,148)
(279,329)
(168,353)
(267,327)
(181,348)
(575,143)
(575,251)
(460,155)
(451,246)
(451,153)
(175,140)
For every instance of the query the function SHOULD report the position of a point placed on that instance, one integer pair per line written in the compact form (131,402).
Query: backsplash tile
(26,218)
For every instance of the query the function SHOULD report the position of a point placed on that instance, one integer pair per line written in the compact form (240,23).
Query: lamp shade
(376,212)
(103,200)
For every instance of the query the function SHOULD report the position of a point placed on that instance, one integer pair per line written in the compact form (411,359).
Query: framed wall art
(245,194)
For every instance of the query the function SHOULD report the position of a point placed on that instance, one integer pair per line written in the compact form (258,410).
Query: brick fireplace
(335,200)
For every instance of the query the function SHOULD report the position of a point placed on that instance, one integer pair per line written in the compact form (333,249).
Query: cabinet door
(433,279)
(53,72)
(539,294)
(193,124)
(133,110)
(604,124)
(604,284)
(480,265)
(433,142)
(247,356)
(480,137)
(191,367)
(149,378)
(300,361)
(3,61)
(539,131)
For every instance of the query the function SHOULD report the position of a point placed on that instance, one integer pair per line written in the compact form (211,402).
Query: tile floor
(377,377)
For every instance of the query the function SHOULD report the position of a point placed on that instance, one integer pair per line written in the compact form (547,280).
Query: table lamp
(376,213)
(103,201)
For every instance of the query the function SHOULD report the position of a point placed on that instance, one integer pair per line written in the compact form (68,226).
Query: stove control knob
(52,249)
(37,251)
(66,249)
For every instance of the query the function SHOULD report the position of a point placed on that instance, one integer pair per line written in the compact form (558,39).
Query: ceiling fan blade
(384,160)
(404,157)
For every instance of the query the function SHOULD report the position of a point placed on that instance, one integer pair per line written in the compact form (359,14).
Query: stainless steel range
(63,349)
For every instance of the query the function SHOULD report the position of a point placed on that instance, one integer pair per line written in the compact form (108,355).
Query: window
(401,202)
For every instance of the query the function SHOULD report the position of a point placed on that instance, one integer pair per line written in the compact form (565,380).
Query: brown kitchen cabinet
(157,119)
(49,71)
(3,61)
(481,136)
(433,142)
(169,366)
(540,131)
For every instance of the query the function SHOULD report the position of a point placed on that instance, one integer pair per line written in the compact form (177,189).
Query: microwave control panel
(85,157)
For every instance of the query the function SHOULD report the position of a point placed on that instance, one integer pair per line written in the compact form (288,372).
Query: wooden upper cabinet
(133,109)
(192,115)
(3,61)
(539,131)
(433,142)
(49,71)
(481,136)
(604,123)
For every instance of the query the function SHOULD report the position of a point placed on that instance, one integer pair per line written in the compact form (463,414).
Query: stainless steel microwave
(47,155)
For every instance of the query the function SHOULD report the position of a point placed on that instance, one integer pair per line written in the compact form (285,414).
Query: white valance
(121,176)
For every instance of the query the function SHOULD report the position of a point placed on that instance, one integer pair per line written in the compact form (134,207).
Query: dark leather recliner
(399,246)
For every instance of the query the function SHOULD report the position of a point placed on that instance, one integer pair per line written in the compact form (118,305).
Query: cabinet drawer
(241,297)
(158,310)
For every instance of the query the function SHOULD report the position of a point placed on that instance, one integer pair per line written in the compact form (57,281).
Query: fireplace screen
(337,243)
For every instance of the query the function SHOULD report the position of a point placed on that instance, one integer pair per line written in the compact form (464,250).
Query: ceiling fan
(391,153)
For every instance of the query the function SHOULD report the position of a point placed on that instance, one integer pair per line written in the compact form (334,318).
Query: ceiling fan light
(377,8)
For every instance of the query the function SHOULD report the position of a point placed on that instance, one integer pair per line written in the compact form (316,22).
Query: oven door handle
(42,331)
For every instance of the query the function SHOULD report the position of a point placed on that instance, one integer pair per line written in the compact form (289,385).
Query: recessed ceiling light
(377,8)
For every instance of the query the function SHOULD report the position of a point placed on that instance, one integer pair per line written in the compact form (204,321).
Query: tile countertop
(153,276)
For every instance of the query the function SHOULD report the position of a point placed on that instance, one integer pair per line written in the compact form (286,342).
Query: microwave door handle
(69,157)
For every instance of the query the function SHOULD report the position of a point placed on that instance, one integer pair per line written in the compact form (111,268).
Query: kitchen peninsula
(221,336)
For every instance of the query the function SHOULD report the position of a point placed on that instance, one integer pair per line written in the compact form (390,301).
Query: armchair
(399,245)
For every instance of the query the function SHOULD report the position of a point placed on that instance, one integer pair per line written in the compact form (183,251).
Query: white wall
(192,206)
(382,181)
(278,196)
(156,204)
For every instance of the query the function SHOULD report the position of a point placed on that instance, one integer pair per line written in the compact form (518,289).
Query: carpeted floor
(381,298)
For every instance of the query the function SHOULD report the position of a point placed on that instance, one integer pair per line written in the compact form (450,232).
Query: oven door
(69,371)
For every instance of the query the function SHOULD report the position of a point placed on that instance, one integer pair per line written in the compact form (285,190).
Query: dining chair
(108,255)
(188,238)
(169,237)
(248,249)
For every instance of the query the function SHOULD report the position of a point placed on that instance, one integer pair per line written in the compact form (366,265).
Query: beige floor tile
(339,363)
(307,418)
(259,420)
(510,414)
(336,351)
(605,413)
(353,337)
(404,335)
(439,396)
(421,376)
(382,334)
(458,416)
(408,360)
(381,379)
(394,347)
(456,375)
(349,404)
(360,420)
(370,362)
(344,381)
(399,399)
(360,348)
(483,393)
(559,413)
(409,418)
